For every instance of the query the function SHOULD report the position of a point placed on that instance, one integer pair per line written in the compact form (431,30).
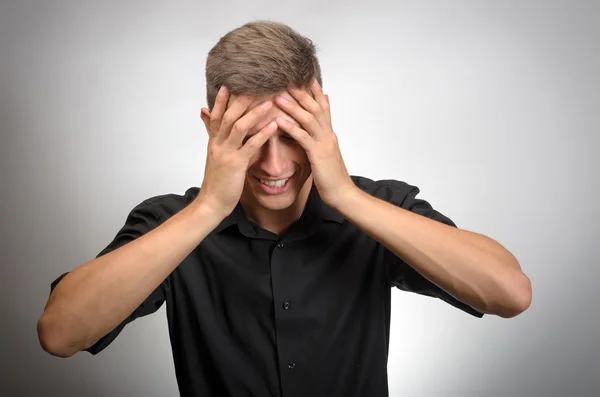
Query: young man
(277,271)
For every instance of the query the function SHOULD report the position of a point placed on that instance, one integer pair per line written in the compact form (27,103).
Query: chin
(277,203)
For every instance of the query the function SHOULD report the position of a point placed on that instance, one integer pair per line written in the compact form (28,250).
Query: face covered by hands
(302,146)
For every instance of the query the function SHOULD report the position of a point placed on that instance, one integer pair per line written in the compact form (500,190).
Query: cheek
(300,155)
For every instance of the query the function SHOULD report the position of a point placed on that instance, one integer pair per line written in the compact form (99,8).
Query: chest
(317,276)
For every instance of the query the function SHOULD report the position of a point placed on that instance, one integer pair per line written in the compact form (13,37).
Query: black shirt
(305,314)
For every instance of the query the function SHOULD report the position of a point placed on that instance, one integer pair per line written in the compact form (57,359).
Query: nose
(272,160)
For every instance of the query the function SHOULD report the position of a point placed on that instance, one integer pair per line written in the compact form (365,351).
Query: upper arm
(400,274)
(139,221)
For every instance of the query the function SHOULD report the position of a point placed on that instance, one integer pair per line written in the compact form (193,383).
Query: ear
(205,116)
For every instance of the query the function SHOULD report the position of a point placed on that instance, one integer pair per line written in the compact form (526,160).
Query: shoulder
(401,194)
(391,190)
(166,205)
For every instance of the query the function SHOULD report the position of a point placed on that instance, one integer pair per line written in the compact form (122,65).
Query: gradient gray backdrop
(491,108)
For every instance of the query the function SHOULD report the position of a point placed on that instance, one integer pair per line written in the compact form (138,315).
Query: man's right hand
(97,296)
(228,157)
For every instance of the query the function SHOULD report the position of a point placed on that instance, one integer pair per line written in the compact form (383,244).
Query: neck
(277,221)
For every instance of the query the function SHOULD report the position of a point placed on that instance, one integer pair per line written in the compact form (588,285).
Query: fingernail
(283,99)
(265,104)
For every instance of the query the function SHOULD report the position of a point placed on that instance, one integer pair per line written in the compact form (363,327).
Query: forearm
(97,296)
(471,267)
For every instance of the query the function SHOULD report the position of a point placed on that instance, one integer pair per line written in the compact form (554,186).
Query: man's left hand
(317,138)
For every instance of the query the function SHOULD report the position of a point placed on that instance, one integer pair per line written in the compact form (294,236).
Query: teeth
(278,183)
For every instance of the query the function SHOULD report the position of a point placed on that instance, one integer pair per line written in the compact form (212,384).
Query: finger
(219,109)
(327,110)
(309,103)
(235,111)
(245,123)
(322,100)
(257,140)
(300,135)
(306,119)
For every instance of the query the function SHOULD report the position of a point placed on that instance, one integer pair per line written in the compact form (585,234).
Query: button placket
(282,270)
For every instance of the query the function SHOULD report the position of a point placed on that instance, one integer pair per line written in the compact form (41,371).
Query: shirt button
(286,304)
(291,365)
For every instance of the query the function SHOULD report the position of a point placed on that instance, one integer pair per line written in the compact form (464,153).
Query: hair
(260,57)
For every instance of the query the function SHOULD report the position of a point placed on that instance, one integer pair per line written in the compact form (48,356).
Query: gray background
(491,108)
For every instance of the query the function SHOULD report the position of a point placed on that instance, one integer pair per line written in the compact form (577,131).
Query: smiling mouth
(274,182)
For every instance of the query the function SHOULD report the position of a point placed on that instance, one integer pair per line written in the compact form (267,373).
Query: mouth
(272,186)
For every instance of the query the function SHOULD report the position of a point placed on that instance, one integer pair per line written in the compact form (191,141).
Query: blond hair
(260,57)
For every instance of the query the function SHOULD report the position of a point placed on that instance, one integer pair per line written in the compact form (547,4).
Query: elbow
(518,299)
(51,340)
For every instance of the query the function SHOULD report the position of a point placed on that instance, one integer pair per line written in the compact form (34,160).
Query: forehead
(258,99)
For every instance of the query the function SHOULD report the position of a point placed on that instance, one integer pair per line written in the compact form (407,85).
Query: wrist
(203,210)
(347,201)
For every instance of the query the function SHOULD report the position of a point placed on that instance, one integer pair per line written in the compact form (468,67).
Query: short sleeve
(140,221)
(400,273)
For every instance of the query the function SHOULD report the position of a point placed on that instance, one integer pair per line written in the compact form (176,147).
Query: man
(277,271)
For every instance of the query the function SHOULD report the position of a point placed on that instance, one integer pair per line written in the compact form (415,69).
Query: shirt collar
(315,209)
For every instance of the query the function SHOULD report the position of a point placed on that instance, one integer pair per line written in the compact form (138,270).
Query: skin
(279,157)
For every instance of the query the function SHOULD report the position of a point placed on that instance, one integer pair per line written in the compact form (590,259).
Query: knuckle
(259,111)
(227,119)
(238,128)
(214,146)
(303,118)
(213,151)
